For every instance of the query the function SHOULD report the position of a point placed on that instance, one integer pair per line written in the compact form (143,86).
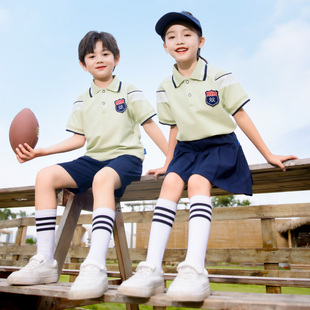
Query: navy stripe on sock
(163,215)
(45,224)
(164,209)
(200,212)
(103,228)
(46,218)
(201,204)
(103,216)
(46,228)
(103,222)
(162,221)
(200,215)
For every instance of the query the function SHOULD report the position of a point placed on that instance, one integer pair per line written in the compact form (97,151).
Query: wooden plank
(218,214)
(253,255)
(267,179)
(217,300)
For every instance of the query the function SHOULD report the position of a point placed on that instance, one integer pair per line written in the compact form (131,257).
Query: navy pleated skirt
(220,159)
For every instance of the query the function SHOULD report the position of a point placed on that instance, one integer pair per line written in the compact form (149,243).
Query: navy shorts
(220,159)
(83,170)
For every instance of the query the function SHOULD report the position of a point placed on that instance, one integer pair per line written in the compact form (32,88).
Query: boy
(106,117)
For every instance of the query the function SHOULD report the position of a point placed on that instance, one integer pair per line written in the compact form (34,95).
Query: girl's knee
(172,187)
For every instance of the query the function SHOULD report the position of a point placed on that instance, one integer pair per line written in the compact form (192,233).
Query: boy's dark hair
(89,41)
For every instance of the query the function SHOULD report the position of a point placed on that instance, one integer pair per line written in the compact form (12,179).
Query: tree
(228,201)
(6,214)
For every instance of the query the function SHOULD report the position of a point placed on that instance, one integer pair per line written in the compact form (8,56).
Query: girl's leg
(200,216)
(192,282)
(163,218)
(148,279)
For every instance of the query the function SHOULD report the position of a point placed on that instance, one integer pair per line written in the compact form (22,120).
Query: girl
(197,102)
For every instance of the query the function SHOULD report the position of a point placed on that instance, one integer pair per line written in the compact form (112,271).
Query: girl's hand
(277,160)
(26,152)
(157,172)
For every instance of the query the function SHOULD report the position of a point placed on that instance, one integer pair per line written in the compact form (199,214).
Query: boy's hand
(277,160)
(25,153)
(157,172)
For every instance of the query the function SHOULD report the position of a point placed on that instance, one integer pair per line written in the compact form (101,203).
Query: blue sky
(265,43)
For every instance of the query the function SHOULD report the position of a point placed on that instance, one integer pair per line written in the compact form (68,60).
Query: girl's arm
(156,135)
(248,127)
(171,146)
(26,153)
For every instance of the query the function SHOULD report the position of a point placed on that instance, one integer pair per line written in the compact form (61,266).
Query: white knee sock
(198,232)
(45,226)
(162,222)
(102,228)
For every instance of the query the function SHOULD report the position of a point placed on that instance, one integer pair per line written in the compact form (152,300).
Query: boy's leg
(148,279)
(192,282)
(42,268)
(92,281)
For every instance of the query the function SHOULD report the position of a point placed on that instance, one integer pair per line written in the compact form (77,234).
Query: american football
(24,129)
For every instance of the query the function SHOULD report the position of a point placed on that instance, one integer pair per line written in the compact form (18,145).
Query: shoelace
(89,271)
(34,262)
(186,273)
(143,272)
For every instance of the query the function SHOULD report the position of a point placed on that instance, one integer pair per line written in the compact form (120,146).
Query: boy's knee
(47,174)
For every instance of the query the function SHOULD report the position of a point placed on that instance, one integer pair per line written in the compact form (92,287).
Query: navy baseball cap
(172,17)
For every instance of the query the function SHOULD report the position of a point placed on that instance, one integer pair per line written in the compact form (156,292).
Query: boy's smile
(100,64)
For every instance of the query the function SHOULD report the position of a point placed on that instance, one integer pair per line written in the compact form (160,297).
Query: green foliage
(30,241)
(6,214)
(228,201)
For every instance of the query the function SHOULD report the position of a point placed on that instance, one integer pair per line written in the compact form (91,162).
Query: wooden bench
(267,179)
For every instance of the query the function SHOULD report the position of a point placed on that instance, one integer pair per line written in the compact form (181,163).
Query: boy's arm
(26,153)
(248,127)
(171,146)
(156,135)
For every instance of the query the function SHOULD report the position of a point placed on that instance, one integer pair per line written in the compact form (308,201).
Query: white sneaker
(189,285)
(37,271)
(146,281)
(91,282)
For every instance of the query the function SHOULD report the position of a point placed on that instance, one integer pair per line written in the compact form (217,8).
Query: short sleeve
(139,107)
(75,121)
(163,108)
(232,93)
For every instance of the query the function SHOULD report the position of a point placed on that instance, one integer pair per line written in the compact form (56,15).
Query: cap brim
(172,17)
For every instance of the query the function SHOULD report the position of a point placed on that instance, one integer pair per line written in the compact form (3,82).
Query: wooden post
(121,247)
(20,240)
(269,236)
(77,241)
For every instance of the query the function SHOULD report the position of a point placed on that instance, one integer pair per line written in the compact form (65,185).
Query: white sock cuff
(45,213)
(171,205)
(104,211)
(200,198)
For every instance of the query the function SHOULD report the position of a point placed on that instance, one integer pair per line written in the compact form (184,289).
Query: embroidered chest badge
(120,105)
(212,97)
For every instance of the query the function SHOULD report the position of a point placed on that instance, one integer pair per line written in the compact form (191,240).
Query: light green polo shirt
(201,105)
(109,119)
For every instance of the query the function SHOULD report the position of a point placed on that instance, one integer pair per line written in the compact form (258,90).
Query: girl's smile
(182,43)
